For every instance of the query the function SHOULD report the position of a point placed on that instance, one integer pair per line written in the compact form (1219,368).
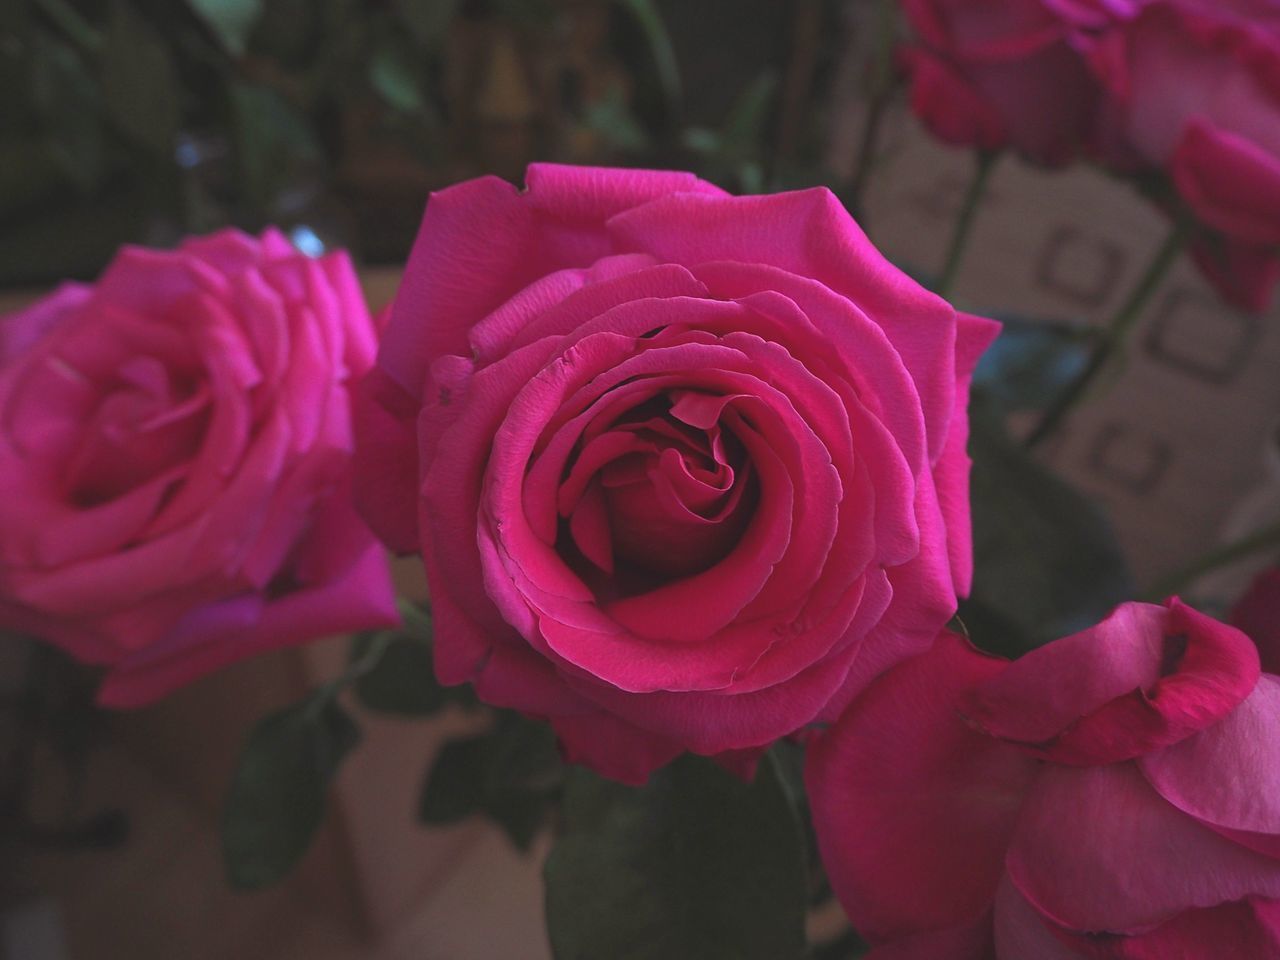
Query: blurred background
(144,120)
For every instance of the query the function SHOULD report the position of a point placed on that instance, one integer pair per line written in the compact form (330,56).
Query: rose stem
(985,162)
(880,92)
(1223,556)
(1116,332)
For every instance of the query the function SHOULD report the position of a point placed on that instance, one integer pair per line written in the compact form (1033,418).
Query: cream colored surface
(1175,443)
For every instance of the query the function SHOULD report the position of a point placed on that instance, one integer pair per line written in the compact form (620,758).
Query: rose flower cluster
(1184,91)
(688,473)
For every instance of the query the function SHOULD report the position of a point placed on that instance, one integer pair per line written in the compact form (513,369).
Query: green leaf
(663,51)
(426,20)
(1046,559)
(695,864)
(613,120)
(139,82)
(277,796)
(395,75)
(455,786)
(272,142)
(511,775)
(231,20)
(69,109)
(1031,363)
(402,681)
(732,153)
(744,125)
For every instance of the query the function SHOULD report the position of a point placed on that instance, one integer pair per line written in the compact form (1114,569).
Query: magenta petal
(471,254)
(1144,678)
(221,634)
(913,809)
(1021,933)
(1257,613)
(951,474)
(1228,775)
(1232,183)
(1244,274)
(20,330)
(613,748)
(809,232)
(1097,849)
(594,194)
(385,468)
(953,110)
(1235,930)
(714,721)
(516,677)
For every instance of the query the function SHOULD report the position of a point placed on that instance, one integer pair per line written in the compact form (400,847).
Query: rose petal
(912,808)
(1228,775)
(809,232)
(1122,688)
(1098,849)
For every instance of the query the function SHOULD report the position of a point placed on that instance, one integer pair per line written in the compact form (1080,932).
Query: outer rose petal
(951,475)
(385,472)
(1236,930)
(221,634)
(1098,849)
(482,241)
(1023,934)
(809,232)
(1230,182)
(1257,613)
(1122,688)
(1228,775)
(613,748)
(1244,275)
(20,331)
(953,111)
(913,809)
(1048,101)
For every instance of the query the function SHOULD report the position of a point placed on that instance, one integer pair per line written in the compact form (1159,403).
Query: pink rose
(997,73)
(691,466)
(175,446)
(1195,91)
(1114,794)
(1257,613)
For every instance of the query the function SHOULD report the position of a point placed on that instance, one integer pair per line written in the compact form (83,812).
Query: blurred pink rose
(692,466)
(997,73)
(1257,613)
(1114,794)
(175,443)
(1194,90)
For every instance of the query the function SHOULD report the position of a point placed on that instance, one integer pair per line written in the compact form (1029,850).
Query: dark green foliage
(695,864)
(277,798)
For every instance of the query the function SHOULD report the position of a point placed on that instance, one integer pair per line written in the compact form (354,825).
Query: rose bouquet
(742,560)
